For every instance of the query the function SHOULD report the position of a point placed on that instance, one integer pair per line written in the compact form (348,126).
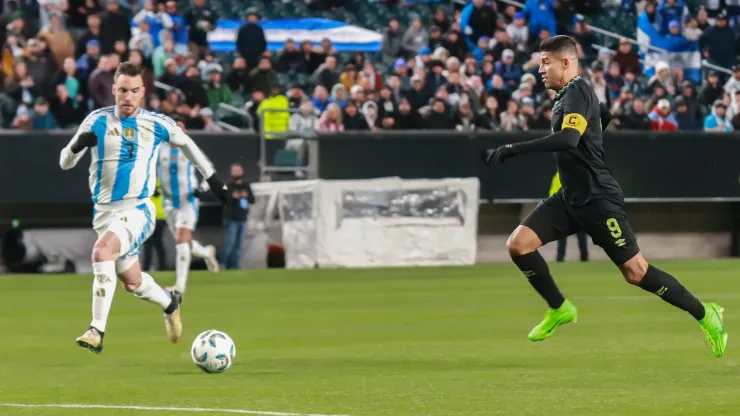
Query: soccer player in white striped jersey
(179,186)
(123,141)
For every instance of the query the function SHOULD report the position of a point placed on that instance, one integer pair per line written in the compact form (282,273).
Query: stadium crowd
(472,69)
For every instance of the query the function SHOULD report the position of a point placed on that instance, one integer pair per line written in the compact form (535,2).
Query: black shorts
(603,219)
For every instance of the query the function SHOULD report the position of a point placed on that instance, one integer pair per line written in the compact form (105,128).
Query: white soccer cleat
(211,260)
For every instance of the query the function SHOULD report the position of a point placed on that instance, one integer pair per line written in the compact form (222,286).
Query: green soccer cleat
(714,328)
(565,314)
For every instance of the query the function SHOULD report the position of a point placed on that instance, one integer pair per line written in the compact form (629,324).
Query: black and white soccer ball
(213,351)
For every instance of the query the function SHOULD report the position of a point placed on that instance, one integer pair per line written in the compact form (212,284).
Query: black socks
(670,290)
(535,269)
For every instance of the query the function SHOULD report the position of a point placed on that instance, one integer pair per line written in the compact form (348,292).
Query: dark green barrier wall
(649,166)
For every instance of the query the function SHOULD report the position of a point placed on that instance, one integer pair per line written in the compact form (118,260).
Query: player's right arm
(75,149)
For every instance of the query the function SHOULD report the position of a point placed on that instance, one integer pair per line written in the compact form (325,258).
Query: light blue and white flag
(679,50)
(344,37)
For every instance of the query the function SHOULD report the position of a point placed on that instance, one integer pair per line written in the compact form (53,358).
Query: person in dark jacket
(718,43)
(250,41)
(235,217)
(686,119)
(116,26)
(352,119)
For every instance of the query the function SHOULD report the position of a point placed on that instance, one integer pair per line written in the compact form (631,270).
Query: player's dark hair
(128,69)
(559,43)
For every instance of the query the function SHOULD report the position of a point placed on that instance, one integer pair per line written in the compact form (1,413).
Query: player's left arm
(179,139)
(575,110)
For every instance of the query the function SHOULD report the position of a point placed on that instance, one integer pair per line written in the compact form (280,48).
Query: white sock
(104,286)
(149,290)
(182,265)
(198,250)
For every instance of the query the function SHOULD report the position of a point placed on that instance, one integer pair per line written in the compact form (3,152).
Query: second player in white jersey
(179,183)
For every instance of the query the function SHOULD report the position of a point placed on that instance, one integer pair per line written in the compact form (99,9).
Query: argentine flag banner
(344,37)
(678,50)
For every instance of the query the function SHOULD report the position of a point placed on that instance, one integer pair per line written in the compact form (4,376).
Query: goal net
(366,223)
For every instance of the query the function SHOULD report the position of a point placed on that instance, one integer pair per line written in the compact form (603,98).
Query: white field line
(160,409)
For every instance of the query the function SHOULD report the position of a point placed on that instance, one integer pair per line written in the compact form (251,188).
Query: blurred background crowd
(464,66)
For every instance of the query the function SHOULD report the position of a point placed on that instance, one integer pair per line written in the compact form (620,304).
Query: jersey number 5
(129,150)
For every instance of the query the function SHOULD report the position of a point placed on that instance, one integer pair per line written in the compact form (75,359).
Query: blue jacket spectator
(671,10)
(507,69)
(476,20)
(541,15)
(718,122)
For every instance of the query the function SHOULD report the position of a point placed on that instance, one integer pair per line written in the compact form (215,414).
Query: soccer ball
(213,351)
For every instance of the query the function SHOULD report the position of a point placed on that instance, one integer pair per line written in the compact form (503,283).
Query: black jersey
(583,172)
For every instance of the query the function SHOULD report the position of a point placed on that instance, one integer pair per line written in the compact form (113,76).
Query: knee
(102,251)
(634,270)
(519,243)
(130,286)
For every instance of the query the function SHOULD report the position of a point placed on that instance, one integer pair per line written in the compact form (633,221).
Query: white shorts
(132,226)
(184,217)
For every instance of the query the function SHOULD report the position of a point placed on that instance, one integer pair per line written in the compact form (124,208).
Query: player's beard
(127,111)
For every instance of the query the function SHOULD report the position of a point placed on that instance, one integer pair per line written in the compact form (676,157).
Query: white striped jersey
(176,176)
(123,164)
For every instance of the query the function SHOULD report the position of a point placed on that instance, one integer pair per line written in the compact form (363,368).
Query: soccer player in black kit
(590,200)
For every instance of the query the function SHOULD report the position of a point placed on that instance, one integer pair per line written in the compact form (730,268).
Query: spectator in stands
(22,88)
(438,118)
(116,27)
(662,119)
(511,119)
(310,60)
(152,22)
(200,20)
(508,70)
(339,95)
(320,98)
(477,20)
(637,119)
(250,41)
(193,90)
(686,120)
(67,111)
(350,77)
(407,118)
(289,58)
(627,58)
(541,15)
(490,119)
(711,91)
(41,65)
(42,119)
(58,38)
(238,78)
(331,119)
(91,33)
(78,14)
(370,112)
(142,40)
(518,31)
(217,91)
(717,121)
(718,43)
(733,83)
(352,119)
(67,76)
(392,44)
(263,77)
(208,124)
(100,83)
(416,36)
(327,74)
(88,61)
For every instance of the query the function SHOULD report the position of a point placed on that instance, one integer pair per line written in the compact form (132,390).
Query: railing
(239,111)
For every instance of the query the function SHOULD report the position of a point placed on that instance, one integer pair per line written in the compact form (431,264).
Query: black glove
(496,156)
(219,189)
(197,193)
(84,140)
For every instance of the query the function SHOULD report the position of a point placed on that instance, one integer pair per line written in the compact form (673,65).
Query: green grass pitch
(377,342)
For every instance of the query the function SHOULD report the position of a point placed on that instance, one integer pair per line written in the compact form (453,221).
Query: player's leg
(610,229)
(183,257)
(143,286)
(104,253)
(207,253)
(548,222)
